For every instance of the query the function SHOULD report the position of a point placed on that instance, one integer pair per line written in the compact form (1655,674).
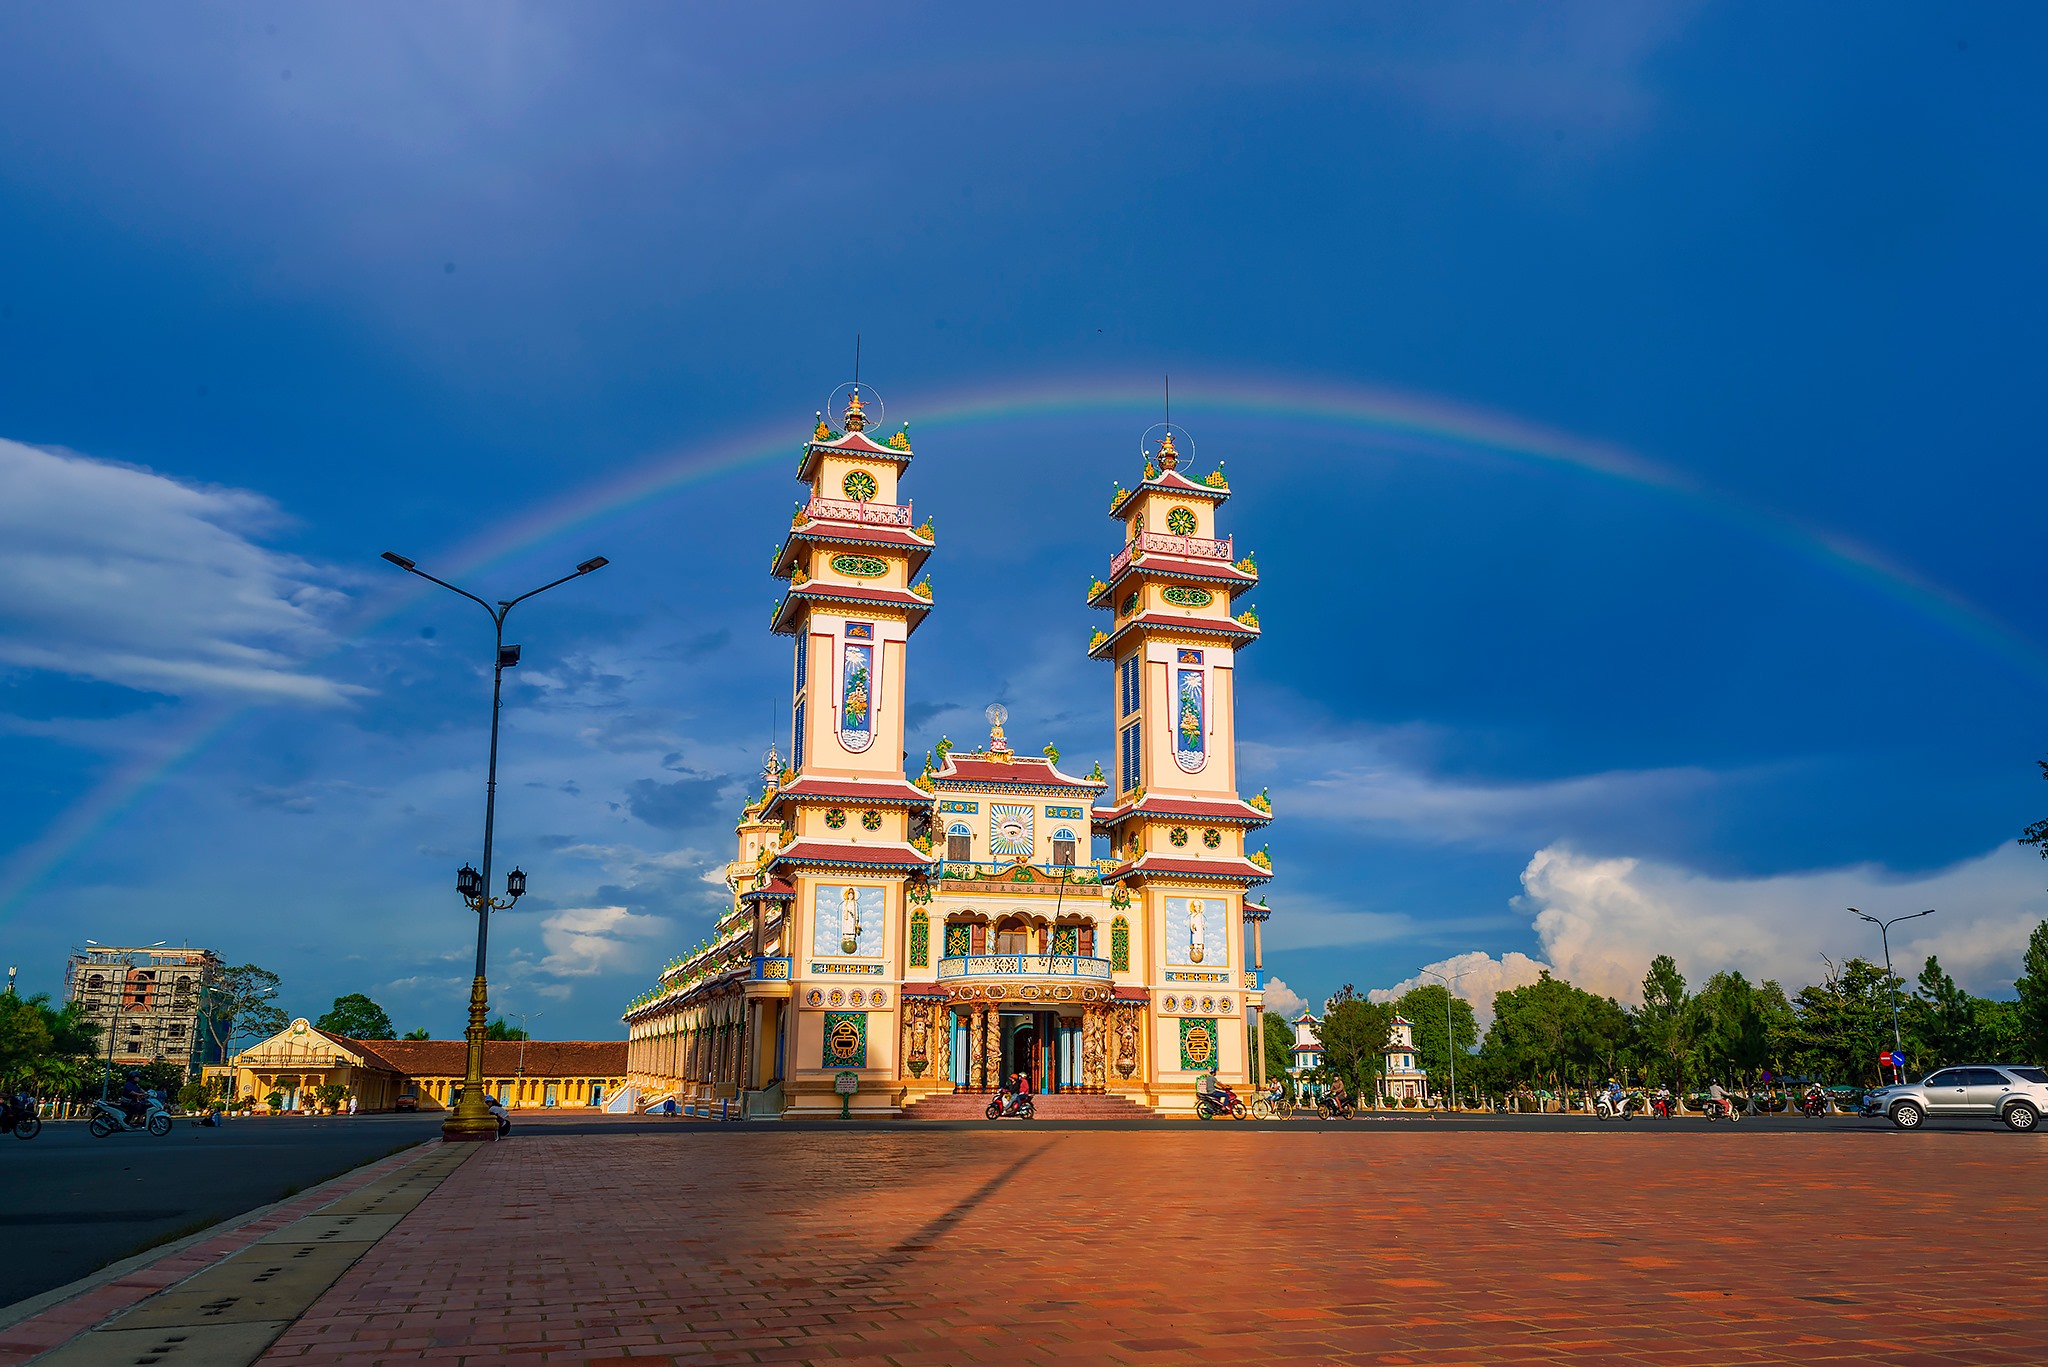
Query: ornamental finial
(856,415)
(1168,457)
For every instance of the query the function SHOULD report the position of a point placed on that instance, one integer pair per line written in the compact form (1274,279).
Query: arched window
(959,843)
(1063,844)
(1012,937)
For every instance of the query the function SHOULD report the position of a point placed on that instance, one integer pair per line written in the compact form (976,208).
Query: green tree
(420,1033)
(49,1046)
(356,1017)
(2037,834)
(1353,1033)
(1838,1025)
(1277,1041)
(1945,1024)
(240,1007)
(1423,1008)
(2031,1024)
(1731,1031)
(24,1035)
(1664,1024)
(1552,1032)
(499,1029)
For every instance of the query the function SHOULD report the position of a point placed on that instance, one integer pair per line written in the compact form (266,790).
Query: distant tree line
(1550,1035)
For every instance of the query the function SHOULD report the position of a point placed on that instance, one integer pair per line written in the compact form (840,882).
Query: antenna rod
(1169,400)
(856,359)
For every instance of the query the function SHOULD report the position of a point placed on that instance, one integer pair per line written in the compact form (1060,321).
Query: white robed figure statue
(849,921)
(1195,945)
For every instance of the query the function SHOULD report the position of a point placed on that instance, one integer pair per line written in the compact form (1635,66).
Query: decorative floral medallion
(1212,837)
(878,998)
(858,485)
(814,998)
(1188,598)
(1208,1003)
(1178,835)
(857,998)
(871,821)
(835,818)
(836,998)
(1224,1003)
(1062,992)
(1181,521)
(860,566)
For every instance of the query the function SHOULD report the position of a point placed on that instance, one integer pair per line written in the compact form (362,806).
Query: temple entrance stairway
(1046,1106)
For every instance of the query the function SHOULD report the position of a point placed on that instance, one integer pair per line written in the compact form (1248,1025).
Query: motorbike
(1720,1110)
(1010,1103)
(108,1118)
(18,1116)
(1663,1107)
(1222,1101)
(1813,1103)
(1328,1109)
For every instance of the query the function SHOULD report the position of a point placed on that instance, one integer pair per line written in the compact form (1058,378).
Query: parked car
(2016,1095)
(408,1102)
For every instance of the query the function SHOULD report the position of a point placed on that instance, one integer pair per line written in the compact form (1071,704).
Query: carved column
(994,1049)
(977,1044)
(942,1046)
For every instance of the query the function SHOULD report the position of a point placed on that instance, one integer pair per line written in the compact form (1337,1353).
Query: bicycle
(1266,1108)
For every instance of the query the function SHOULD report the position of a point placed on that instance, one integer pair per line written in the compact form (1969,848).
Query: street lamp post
(523,1017)
(1884,931)
(471,1119)
(1450,1031)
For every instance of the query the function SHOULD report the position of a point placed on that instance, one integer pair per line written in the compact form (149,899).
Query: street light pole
(1884,931)
(471,1119)
(1450,1033)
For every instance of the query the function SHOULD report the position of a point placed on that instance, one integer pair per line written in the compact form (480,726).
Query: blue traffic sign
(1896,1059)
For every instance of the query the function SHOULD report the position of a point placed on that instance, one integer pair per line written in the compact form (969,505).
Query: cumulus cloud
(582,942)
(1284,999)
(123,575)
(1476,975)
(1601,920)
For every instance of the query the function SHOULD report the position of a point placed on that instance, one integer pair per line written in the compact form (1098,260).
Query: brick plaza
(1360,1244)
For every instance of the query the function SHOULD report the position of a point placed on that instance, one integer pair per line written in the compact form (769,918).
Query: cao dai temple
(895,942)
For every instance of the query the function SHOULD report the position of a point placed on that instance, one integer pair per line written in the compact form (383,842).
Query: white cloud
(1284,999)
(1479,976)
(582,942)
(126,576)
(1600,921)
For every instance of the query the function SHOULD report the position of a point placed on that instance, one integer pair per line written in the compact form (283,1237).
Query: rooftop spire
(856,415)
(1168,457)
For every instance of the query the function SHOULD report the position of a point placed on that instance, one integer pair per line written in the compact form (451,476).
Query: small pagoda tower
(1176,824)
(849,818)
(1399,1077)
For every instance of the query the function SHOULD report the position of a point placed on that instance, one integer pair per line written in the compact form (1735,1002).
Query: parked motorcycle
(108,1118)
(1008,1103)
(18,1116)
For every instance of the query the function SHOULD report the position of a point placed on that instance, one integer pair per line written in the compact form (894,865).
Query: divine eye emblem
(1012,830)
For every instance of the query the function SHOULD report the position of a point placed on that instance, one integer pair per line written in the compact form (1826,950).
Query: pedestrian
(351,1105)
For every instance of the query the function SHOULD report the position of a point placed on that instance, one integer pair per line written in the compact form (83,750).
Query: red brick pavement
(1353,1245)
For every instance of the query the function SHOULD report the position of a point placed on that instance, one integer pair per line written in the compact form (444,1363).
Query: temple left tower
(794,999)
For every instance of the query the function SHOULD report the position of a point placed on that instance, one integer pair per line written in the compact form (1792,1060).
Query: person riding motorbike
(1719,1100)
(134,1099)
(1815,1101)
(1662,1102)
(1615,1095)
(1339,1098)
(1014,1091)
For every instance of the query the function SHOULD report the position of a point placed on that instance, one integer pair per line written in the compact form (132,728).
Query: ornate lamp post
(471,1119)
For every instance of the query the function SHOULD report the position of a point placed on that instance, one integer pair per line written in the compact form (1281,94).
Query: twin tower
(904,944)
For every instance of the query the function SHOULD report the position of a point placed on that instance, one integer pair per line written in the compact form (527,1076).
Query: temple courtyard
(1376,1243)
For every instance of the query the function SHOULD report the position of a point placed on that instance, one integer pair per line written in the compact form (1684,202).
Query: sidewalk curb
(40,1324)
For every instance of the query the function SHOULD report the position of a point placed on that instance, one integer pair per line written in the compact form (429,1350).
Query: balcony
(1023,966)
(1153,543)
(1071,875)
(845,510)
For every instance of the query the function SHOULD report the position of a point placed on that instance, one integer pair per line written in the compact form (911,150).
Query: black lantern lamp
(515,884)
(469,883)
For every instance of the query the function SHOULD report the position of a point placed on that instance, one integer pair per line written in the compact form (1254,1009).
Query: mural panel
(848,922)
(1190,732)
(1197,930)
(1010,832)
(857,698)
(1197,1044)
(846,1039)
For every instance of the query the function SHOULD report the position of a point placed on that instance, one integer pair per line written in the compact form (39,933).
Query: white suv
(2016,1095)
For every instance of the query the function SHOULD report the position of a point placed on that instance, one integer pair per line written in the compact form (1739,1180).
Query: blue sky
(1731,621)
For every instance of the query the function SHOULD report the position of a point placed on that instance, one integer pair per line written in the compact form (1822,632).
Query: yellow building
(297,1061)
(906,941)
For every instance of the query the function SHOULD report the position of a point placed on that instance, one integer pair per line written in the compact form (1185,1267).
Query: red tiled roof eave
(1020,771)
(916,549)
(1229,628)
(1153,865)
(1175,483)
(1233,579)
(847,854)
(911,605)
(1237,813)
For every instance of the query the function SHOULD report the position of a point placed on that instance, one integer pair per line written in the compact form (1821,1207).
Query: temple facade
(894,940)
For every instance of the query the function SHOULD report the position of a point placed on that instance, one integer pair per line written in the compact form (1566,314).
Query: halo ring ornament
(997,714)
(870,402)
(1148,441)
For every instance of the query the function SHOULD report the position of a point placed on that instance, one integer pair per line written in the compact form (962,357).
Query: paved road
(74,1203)
(1363,1124)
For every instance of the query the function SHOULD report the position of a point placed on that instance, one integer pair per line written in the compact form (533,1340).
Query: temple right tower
(1180,866)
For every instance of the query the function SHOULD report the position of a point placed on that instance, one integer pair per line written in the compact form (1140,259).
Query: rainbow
(1413,423)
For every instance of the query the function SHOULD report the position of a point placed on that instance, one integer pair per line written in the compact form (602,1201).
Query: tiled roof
(901,599)
(1222,870)
(1191,626)
(544,1058)
(1173,482)
(1235,811)
(893,792)
(775,891)
(886,856)
(849,444)
(917,549)
(1177,567)
(1020,771)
